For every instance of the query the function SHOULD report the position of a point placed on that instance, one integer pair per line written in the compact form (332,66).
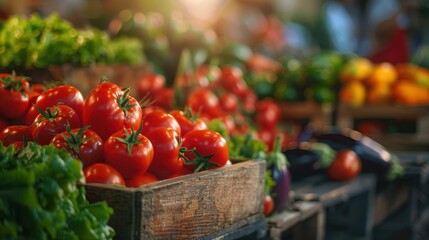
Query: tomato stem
(124,101)
(131,138)
(75,140)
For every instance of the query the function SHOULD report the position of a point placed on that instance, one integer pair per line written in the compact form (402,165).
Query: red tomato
(129,152)
(149,85)
(233,71)
(267,113)
(14,97)
(140,180)
(158,119)
(234,85)
(66,95)
(52,122)
(81,143)
(15,133)
(190,81)
(182,172)
(103,173)
(267,136)
(35,91)
(228,102)
(3,124)
(249,99)
(108,109)
(211,149)
(346,165)
(164,99)
(204,101)
(147,110)
(166,160)
(188,122)
(210,72)
(268,205)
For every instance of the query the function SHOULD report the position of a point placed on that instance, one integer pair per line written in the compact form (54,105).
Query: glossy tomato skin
(129,165)
(103,173)
(249,99)
(166,159)
(65,95)
(14,103)
(229,102)
(346,166)
(3,124)
(268,205)
(140,180)
(150,84)
(206,142)
(15,133)
(158,119)
(204,101)
(44,129)
(186,124)
(90,150)
(267,113)
(104,114)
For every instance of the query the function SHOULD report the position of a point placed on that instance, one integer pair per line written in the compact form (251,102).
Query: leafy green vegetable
(39,197)
(40,42)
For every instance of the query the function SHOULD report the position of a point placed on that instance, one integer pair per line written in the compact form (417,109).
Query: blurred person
(340,23)
(391,24)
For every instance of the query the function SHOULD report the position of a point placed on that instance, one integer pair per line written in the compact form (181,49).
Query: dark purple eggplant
(303,163)
(375,157)
(277,165)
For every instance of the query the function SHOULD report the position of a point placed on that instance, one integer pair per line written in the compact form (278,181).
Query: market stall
(216,120)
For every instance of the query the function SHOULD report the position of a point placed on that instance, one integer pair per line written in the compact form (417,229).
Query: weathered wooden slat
(304,221)
(187,207)
(389,201)
(329,193)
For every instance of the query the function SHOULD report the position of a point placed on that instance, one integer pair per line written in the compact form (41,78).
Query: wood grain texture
(305,221)
(186,207)
(389,201)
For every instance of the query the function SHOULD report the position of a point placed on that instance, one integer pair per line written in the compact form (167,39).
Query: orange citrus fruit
(379,94)
(357,69)
(382,73)
(353,93)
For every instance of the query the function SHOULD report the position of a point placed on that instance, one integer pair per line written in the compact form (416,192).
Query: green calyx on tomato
(131,138)
(193,117)
(48,114)
(124,101)
(14,83)
(74,140)
(201,162)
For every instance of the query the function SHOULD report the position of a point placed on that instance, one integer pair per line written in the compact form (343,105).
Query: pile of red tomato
(124,141)
(117,141)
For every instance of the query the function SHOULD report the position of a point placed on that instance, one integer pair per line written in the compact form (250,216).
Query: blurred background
(365,27)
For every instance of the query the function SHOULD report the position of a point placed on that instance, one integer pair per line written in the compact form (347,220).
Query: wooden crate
(187,207)
(307,112)
(305,220)
(348,205)
(86,78)
(418,140)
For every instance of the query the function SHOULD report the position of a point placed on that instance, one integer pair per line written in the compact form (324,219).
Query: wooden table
(348,205)
(304,220)
(400,204)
